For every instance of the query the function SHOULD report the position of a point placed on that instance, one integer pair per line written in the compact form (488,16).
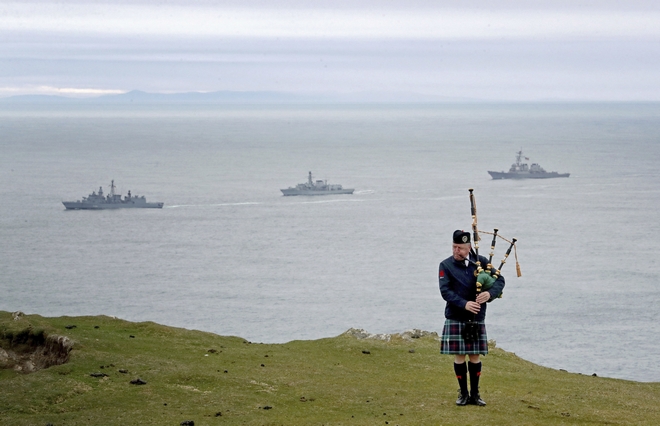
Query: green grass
(321,382)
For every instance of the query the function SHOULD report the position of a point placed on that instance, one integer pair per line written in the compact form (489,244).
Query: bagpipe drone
(488,275)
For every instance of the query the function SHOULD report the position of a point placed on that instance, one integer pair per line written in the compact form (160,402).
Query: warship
(98,201)
(320,187)
(520,170)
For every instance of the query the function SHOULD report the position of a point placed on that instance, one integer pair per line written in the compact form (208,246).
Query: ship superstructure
(98,201)
(318,187)
(521,170)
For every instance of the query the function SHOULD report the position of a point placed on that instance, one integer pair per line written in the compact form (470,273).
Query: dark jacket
(458,286)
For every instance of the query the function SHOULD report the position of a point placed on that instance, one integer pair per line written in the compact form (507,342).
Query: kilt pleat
(452,341)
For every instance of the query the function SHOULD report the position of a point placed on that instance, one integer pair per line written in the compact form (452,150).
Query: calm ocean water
(230,255)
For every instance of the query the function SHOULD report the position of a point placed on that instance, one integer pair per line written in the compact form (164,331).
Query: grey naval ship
(320,187)
(520,170)
(98,201)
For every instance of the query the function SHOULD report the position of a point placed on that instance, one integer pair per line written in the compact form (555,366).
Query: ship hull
(76,205)
(293,191)
(522,175)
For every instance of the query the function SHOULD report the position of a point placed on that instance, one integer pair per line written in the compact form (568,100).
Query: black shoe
(476,400)
(463,398)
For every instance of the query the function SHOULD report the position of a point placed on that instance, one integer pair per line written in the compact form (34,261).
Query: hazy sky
(413,49)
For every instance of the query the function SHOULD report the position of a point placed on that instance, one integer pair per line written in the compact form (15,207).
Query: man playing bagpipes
(464,332)
(467,282)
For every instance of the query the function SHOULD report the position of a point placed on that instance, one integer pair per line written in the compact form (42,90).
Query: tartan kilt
(452,341)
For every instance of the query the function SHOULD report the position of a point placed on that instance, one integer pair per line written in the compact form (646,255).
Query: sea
(229,254)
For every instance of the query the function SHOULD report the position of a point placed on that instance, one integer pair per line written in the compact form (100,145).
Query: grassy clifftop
(183,375)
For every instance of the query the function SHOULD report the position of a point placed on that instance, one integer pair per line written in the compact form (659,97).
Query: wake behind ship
(320,187)
(98,201)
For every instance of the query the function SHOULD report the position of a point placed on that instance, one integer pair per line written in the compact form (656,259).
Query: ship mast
(112,188)
(519,156)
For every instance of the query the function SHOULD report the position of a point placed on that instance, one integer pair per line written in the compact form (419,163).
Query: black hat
(461,237)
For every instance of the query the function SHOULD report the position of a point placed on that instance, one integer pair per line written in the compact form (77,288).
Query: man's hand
(473,307)
(483,297)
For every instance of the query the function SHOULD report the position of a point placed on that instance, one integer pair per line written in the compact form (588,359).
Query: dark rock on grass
(69,327)
(138,381)
(187,423)
(123,371)
(218,414)
(267,407)
(98,375)
(366,352)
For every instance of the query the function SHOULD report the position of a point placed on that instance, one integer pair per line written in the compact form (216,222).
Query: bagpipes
(487,277)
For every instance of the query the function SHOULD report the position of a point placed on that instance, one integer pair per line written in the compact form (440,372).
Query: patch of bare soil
(29,352)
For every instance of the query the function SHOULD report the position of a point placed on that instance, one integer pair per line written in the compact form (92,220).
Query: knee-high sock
(461,374)
(475,373)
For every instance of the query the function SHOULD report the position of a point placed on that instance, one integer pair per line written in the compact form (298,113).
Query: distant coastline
(229,97)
